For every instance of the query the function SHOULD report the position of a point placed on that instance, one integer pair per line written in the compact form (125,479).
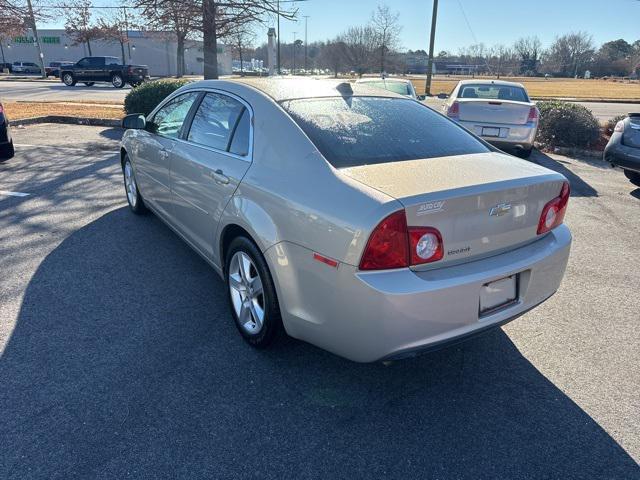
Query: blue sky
(489,21)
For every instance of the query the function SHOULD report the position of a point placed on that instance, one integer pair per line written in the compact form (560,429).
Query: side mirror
(443,95)
(422,97)
(134,121)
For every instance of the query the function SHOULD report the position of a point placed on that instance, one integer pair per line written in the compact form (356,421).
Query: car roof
(283,88)
(491,82)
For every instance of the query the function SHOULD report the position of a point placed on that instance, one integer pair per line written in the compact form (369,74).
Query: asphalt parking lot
(119,359)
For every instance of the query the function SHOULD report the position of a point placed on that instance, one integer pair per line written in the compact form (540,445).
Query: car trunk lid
(494,111)
(482,204)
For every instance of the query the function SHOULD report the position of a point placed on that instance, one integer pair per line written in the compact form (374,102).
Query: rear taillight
(130,69)
(425,245)
(554,211)
(533,114)
(394,245)
(454,110)
(619,127)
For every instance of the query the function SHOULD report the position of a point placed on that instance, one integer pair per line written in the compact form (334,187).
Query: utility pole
(126,26)
(294,53)
(32,19)
(434,18)
(278,38)
(306,17)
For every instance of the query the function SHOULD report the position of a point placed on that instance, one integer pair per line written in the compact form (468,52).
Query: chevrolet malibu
(347,216)
(499,112)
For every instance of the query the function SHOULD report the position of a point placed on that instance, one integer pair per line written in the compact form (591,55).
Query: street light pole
(32,20)
(278,37)
(306,17)
(294,52)
(434,18)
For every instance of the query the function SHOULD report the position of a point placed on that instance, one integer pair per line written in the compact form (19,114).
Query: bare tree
(113,29)
(333,55)
(568,53)
(359,44)
(386,27)
(9,28)
(219,17)
(241,38)
(529,50)
(182,17)
(78,24)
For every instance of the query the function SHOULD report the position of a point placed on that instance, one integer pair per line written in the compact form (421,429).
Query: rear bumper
(5,131)
(510,136)
(370,316)
(622,156)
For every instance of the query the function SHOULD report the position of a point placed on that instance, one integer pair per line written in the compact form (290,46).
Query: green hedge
(144,98)
(566,124)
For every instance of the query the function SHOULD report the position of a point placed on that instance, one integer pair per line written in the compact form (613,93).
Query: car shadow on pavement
(125,362)
(579,187)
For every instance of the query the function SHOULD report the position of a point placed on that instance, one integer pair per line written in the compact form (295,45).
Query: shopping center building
(157,50)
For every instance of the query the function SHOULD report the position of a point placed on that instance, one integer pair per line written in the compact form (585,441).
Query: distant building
(157,50)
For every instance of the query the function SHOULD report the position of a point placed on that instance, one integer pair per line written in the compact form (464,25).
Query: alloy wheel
(130,184)
(247,294)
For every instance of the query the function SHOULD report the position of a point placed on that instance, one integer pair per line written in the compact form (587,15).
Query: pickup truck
(90,70)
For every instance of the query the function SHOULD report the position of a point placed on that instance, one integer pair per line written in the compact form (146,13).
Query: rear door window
(355,131)
(215,121)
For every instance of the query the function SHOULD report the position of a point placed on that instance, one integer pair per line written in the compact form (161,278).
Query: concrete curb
(96,122)
(29,79)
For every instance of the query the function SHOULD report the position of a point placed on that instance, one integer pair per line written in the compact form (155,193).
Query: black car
(623,149)
(6,142)
(103,69)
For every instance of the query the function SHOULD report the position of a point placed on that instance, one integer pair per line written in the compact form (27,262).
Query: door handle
(220,177)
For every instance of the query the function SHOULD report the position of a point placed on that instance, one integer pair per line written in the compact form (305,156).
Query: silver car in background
(395,85)
(499,112)
(348,216)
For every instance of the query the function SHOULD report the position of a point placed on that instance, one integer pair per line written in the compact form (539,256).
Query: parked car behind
(90,70)
(351,217)
(499,112)
(623,149)
(6,142)
(53,70)
(5,66)
(25,67)
(396,85)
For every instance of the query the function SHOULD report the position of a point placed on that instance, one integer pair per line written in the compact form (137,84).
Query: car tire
(68,79)
(117,80)
(134,197)
(7,152)
(248,297)
(634,177)
(89,84)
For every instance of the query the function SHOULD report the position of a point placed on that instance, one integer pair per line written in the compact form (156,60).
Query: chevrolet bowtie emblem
(500,210)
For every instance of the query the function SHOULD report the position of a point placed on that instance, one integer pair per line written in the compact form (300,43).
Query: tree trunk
(124,60)
(180,57)
(89,47)
(210,41)
(241,67)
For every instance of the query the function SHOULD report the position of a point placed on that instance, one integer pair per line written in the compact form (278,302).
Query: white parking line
(14,194)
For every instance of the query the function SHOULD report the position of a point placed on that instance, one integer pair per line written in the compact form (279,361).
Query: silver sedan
(348,216)
(499,112)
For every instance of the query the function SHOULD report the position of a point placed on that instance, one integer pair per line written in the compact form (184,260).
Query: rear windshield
(494,92)
(395,87)
(355,131)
